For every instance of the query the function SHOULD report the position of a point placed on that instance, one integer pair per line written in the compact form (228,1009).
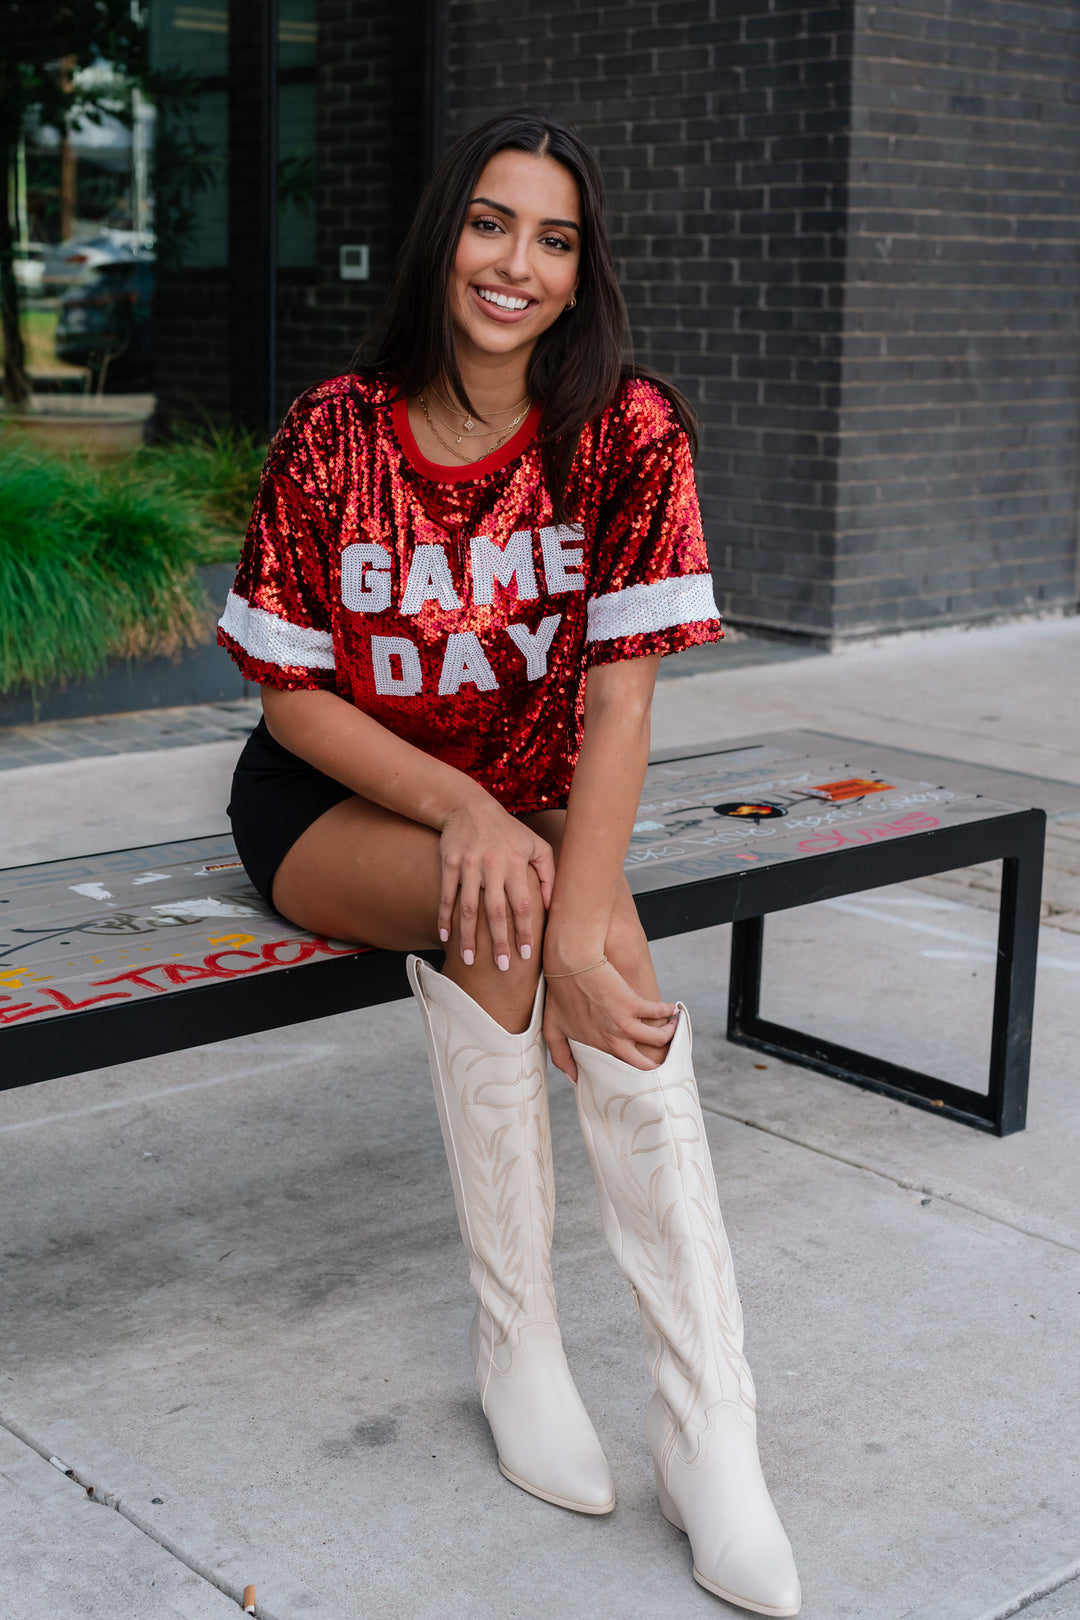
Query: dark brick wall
(370,135)
(848,231)
(722,131)
(371,140)
(191,345)
(957,490)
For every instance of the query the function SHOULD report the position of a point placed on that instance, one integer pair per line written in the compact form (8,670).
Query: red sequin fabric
(446,602)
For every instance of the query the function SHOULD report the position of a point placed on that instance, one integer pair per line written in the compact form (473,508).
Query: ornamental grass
(216,466)
(99,561)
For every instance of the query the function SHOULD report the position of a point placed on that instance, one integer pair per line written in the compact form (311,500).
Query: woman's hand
(486,857)
(600,1009)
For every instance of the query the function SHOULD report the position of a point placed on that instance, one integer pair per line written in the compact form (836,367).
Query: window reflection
(202,166)
(189,56)
(297,35)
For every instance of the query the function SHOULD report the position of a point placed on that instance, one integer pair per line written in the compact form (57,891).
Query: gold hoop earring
(573,301)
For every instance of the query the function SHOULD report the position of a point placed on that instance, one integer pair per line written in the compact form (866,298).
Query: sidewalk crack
(104,1497)
(1034,1594)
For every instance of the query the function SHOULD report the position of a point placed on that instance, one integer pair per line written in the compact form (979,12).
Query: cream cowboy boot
(491,1092)
(654,1177)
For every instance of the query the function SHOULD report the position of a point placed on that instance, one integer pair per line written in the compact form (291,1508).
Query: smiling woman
(516,212)
(466,559)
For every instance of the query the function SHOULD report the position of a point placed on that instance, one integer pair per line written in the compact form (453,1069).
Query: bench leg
(1014,989)
(744,983)
(1004,1107)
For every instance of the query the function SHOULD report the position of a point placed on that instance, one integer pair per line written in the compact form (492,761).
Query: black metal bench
(143,951)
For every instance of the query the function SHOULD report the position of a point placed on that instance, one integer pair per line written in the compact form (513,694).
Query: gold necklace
(483,433)
(467,422)
(488,433)
(490,451)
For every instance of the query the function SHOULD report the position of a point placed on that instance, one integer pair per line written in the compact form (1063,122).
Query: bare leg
(366,874)
(362,873)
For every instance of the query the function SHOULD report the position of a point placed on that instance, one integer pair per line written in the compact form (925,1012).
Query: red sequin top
(445,601)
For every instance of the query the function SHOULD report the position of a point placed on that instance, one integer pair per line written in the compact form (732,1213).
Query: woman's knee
(524,922)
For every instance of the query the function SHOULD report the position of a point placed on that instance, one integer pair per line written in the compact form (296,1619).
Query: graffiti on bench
(142,923)
(719,813)
(136,924)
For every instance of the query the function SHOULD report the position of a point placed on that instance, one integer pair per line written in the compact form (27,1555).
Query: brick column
(722,131)
(848,231)
(957,482)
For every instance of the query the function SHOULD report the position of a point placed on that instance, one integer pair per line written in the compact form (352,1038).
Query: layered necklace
(468,426)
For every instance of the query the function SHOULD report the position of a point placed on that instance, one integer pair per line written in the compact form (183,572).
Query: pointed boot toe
(786,1591)
(752,1567)
(650,1156)
(543,1434)
(721,1502)
(491,1093)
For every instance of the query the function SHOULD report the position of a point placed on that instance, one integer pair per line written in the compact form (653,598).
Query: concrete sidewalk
(236,1305)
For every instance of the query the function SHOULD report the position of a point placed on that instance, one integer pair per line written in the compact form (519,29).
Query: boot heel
(667,1506)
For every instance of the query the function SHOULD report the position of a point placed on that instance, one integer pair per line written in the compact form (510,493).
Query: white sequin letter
(387,682)
(535,648)
(365,578)
(465,662)
(559,555)
(491,562)
(429,581)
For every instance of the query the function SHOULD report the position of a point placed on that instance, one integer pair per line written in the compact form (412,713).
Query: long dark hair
(577,368)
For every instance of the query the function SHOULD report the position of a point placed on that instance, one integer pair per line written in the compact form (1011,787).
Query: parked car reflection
(106,320)
(66,263)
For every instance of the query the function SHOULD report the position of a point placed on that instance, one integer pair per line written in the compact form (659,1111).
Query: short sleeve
(650,588)
(278,624)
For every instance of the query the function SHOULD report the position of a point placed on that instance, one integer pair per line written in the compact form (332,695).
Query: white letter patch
(387,683)
(429,580)
(535,648)
(559,556)
(463,662)
(491,562)
(365,578)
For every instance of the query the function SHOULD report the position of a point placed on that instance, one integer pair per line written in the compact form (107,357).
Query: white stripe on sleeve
(275,641)
(640,609)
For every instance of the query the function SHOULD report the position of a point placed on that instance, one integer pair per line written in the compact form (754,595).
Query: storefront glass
(176,172)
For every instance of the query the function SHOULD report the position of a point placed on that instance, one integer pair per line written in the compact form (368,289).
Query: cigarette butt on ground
(249,1600)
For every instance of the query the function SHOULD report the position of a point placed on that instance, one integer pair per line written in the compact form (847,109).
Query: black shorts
(275,797)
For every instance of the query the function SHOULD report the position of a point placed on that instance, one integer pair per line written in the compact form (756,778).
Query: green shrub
(95,561)
(98,561)
(216,467)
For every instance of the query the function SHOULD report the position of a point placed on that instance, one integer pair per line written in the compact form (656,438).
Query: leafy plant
(296,181)
(216,466)
(99,561)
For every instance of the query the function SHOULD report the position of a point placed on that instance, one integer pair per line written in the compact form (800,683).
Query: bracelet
(575,971)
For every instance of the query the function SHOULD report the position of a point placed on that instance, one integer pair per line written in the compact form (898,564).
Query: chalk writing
(836,837)
(233,962)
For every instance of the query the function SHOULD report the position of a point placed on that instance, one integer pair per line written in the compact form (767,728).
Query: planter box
(104,428)
(203,674)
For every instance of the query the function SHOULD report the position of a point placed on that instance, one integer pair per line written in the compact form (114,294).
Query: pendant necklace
(469,426)
(503,436)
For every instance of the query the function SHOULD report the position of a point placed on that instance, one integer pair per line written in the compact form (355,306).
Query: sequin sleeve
(277,624)
(650,588)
